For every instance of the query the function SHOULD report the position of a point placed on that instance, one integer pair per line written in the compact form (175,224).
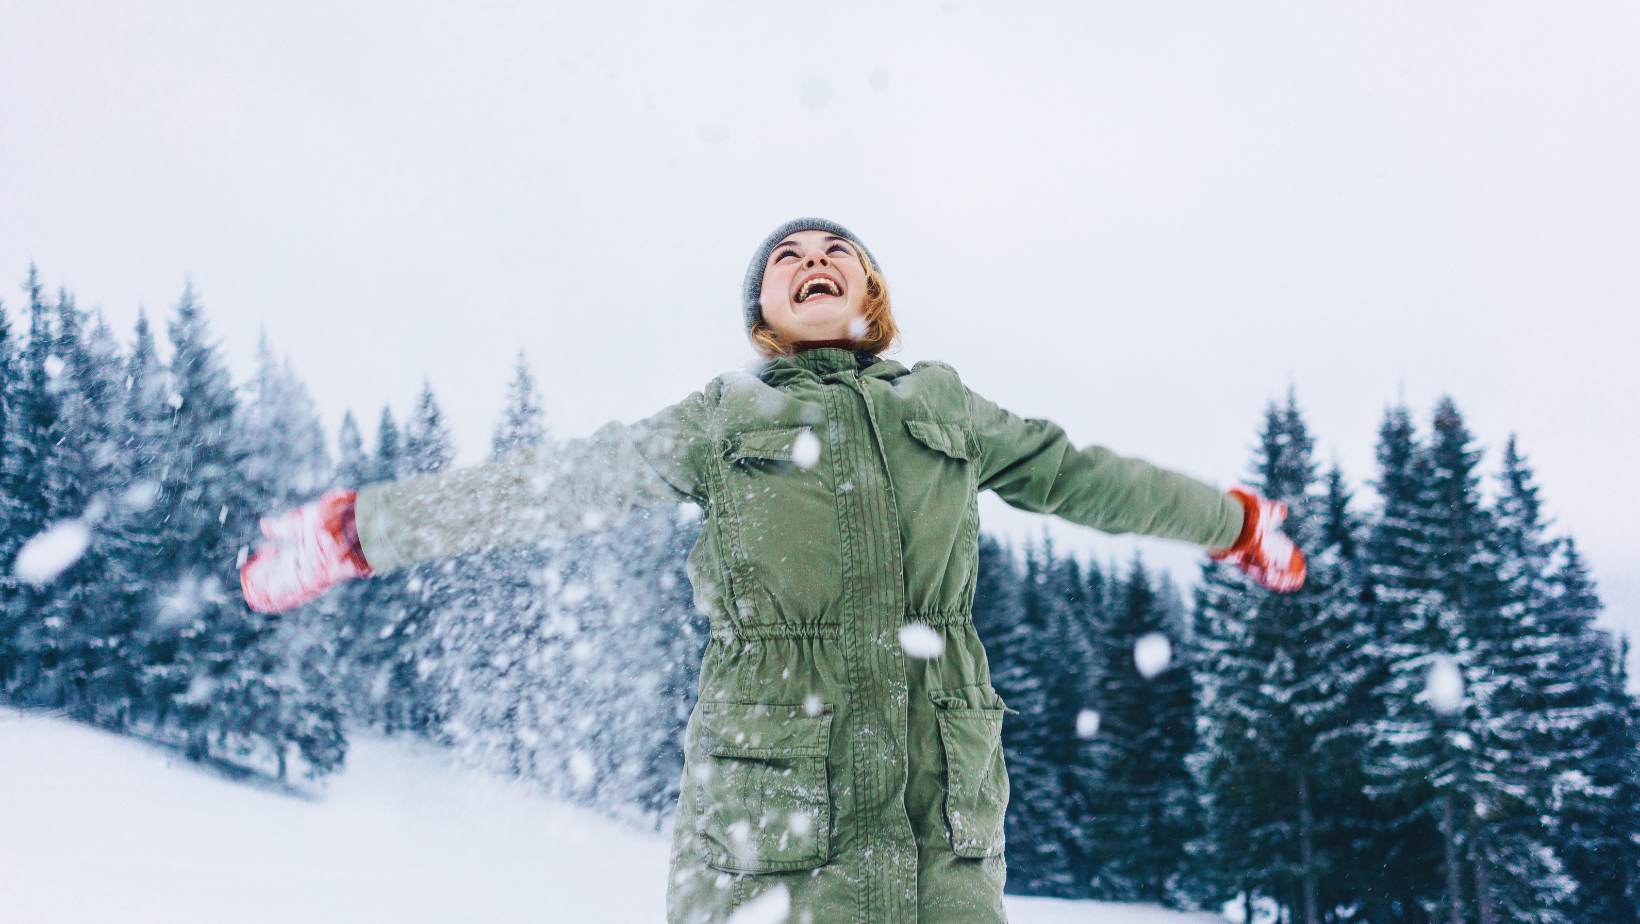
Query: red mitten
(1262,551)
(309,549)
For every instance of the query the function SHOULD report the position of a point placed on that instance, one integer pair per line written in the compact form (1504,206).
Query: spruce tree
(287,462)
(10,540)
(388,464)
(521,422)
(387,634)
(1467,766)
(427,444)
(1077,596)
(1013,619)
(290,694)
(199,678)
(352,463)
(1599,839)
(1147,812)
(1406,839)
(1282,686)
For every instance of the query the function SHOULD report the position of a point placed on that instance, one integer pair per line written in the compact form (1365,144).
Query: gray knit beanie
(754,274)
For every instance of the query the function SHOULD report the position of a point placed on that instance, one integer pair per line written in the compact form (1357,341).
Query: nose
(815,259)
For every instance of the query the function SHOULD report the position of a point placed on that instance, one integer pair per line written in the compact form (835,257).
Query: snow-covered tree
(1283,688)
(522,419)
(1147,812)
(352,463)
(287,461)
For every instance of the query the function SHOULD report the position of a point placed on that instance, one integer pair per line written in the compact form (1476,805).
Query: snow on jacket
(819,756)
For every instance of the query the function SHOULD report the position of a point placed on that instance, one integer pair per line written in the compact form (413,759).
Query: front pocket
(976,776)
(763,796)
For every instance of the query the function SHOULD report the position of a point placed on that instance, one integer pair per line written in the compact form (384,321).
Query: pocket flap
(763,732)
(949,439)
(774,445)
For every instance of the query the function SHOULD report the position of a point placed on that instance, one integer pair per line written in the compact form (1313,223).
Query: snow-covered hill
(98,828)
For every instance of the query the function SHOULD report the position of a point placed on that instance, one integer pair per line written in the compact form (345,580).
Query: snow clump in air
(1152,653)
(771,907)
(816,93)
(1087,723)
(51,552)
(141,495)
(806,450)
(582,769)
(921,642)
(857,328)
(1443,685)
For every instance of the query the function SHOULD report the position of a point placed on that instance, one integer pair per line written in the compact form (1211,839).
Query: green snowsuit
(820,756)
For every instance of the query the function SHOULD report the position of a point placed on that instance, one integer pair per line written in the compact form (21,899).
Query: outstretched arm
(569,487)
(555,490)
(1032,465)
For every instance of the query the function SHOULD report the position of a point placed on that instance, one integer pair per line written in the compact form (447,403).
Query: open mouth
(818,285)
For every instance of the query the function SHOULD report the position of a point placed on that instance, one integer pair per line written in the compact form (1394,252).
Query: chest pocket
(780,525)
(769,445)
(947,439)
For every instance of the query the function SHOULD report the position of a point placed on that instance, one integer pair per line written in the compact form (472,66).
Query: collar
(821,362)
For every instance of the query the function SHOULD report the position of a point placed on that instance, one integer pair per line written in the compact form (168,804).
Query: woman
(839,496)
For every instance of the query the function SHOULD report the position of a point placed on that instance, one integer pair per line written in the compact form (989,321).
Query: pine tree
(199,678)
(521,420)
(427,445)
(1282,687)
(289,692)
(9,528)
(1470,768)
(1012,618)
(1406,839)
(35,420)
(1148,811)
(134,532)
(387,634)
(85,602)
(389,462)
(286,460)
(352,464)
(1077,598)
(1599,839)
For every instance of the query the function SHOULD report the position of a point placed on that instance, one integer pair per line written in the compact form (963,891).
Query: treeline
(1433,729)
(127,483)
(130,489)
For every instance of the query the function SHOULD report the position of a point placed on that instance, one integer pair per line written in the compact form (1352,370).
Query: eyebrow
(791,242)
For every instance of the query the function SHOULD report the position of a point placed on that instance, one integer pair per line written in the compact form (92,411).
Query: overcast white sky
(1142,221)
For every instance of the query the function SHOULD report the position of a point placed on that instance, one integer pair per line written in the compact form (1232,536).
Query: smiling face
(814,286)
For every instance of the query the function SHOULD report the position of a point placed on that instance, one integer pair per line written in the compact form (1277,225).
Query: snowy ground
(99,828)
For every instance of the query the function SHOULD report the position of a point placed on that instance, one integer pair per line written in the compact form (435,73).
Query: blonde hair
(881,331)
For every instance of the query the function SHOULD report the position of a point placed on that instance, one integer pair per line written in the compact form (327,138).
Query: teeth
(812,284)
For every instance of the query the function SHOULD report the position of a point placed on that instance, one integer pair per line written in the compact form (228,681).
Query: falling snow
(1152,653)
(1087,723)
(921,642)
(806,450)
(1443,685)
(51,552)
(772,907)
